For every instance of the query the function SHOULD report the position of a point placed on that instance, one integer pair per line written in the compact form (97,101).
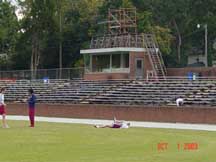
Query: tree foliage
(38,33)
(8,33)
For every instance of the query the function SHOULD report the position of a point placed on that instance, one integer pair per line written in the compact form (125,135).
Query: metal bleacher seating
(118,92)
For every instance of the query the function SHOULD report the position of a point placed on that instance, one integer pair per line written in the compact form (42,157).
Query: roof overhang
(111,50)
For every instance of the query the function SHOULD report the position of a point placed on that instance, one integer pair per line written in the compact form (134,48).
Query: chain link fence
(65,73)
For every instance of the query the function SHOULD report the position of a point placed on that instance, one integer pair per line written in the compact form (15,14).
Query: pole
(206,44)
(60,42)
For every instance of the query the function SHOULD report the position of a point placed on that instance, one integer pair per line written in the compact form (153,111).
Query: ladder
(155,56)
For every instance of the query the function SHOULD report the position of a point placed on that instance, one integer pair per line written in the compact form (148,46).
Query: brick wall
(147,64)
(131,75)
(106,76)
(203,115)
(210,71)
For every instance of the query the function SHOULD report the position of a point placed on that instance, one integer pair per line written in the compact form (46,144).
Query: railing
(108,70)
(112,41)
(78,73)
(67,73)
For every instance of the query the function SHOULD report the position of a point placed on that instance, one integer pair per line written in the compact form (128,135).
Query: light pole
(60,40)
(206,42)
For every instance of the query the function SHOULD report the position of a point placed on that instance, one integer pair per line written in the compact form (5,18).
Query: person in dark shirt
(31,106)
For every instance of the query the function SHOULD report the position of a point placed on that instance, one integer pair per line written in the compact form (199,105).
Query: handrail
(110,41)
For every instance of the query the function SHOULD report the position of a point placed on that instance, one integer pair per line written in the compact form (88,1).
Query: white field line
(204,127)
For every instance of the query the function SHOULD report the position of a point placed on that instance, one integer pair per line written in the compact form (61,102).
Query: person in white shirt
(115,124)
(179,101)
(2,108)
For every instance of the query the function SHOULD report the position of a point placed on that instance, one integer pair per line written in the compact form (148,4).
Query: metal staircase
(153,51)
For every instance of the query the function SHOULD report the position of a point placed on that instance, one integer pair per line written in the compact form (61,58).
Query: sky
(14,2)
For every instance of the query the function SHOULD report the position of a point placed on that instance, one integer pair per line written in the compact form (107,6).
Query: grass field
(51,142)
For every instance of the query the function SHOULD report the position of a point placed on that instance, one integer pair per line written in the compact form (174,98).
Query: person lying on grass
(115,124)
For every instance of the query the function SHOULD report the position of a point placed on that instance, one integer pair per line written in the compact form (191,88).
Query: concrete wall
(173,114)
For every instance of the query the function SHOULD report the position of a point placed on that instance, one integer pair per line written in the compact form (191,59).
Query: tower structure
(122,21)
(122,52)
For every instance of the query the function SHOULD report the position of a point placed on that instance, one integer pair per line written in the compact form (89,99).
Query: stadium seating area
(118,92)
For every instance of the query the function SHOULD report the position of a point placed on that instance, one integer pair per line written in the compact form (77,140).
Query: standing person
(2,108)
(31,105)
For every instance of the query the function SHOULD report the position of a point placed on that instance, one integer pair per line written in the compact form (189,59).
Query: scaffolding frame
(122,21)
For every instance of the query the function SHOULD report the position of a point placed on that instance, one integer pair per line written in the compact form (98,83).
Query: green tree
(40,39)
(8,33)
(78,26)
(37,24)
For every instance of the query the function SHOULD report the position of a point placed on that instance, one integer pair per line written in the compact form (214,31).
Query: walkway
(203,127)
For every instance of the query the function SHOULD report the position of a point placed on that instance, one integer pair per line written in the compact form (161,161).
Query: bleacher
(118,92)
